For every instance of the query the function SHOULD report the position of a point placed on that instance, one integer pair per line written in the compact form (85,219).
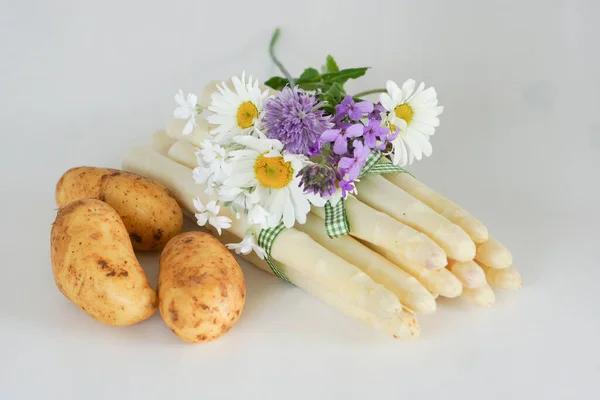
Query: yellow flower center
(273,172)
(246,114)
(405,112)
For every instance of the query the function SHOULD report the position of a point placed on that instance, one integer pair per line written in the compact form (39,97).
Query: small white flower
(213,157)
(187,109)
(211,152)
(258,216)
(201,175)
(210,214)
(247,245)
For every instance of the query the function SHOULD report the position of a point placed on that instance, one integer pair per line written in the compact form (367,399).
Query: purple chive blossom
(294,118)
(354,110)
(318,179)
(352,165)
(376,113)
(340,137)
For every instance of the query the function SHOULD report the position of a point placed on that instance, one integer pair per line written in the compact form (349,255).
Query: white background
(83,81)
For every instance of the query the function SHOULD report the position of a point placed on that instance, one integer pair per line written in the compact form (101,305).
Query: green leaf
(309,75)
(277,82)
(333,96)
(330,65)
(343,75)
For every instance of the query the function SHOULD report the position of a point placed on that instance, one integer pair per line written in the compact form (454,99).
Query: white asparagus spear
(161,142)
(175,130)
(382,195)
(473,227)
(382,230)
(440,281)
(505,278)
(468,273)
(410,292)
(493,254)
(183,153)
(292,248)
(402,326)
(483,296)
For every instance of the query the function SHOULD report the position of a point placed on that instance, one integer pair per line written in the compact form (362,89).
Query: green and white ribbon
(374,167)
(266,238)
(336,220)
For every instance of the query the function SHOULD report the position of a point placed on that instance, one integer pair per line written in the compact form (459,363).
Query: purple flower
(318,179)
(352,165)
(373,131)
(314,148)
(386,138)
(346,187)
(294,118)
(376,113)
(340,137)
(354,110)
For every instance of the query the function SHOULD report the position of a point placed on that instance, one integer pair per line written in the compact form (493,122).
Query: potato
(95,267)
(201,288)
(150,213)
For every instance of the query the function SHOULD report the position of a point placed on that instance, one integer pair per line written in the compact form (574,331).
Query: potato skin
(95,267)
(149,211)
(201,287)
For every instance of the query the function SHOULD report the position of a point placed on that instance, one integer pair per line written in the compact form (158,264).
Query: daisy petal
(288,213)
(407,89)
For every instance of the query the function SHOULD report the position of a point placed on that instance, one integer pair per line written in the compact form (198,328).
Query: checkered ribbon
(374,167)
(336,220)
(266,238)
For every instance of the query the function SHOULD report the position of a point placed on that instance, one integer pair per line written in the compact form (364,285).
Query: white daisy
(262,169)
(235,111)
(415,114)
(247,245)
(188,109)
(210,214)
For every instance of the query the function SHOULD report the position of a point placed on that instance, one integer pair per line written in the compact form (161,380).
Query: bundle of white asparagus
(400,255)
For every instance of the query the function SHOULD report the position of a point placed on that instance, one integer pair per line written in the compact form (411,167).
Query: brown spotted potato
(95,267)
(201,287)
(150,213)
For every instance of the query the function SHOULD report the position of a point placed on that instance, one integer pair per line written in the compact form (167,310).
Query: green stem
(372,91)
(284,71)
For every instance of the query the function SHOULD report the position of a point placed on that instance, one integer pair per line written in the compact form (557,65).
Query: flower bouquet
(307,181)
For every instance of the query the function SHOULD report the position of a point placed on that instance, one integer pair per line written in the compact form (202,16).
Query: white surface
(519,146)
